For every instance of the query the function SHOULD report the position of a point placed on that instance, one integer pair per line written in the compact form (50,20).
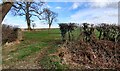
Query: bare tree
(28,9)
(50,16)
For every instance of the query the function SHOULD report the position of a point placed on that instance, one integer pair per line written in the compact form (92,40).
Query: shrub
(9,33)
(108,32)
(67,27)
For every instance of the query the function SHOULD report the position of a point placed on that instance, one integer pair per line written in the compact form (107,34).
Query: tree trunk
(29,28)
(28,24)
(4,9)
(49,28)
(28,17)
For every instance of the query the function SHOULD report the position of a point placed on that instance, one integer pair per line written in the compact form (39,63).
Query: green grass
(33,43)
(50,40)
(30,50)
(47,61)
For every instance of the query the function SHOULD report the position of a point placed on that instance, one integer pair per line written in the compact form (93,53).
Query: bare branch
(36,16)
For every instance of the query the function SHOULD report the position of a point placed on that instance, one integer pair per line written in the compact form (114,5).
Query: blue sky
(78,12)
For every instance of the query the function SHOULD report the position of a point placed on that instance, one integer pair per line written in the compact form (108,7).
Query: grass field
(35,48)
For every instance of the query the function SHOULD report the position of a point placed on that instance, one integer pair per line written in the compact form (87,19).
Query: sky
(91,11)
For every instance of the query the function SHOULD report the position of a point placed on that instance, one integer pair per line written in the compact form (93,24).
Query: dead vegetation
(101,54)
(93,54)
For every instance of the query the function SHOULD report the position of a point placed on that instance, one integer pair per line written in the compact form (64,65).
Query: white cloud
(75,5)
(99,15)
(81,0)
(103,4)
(96,4)
(58,7)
